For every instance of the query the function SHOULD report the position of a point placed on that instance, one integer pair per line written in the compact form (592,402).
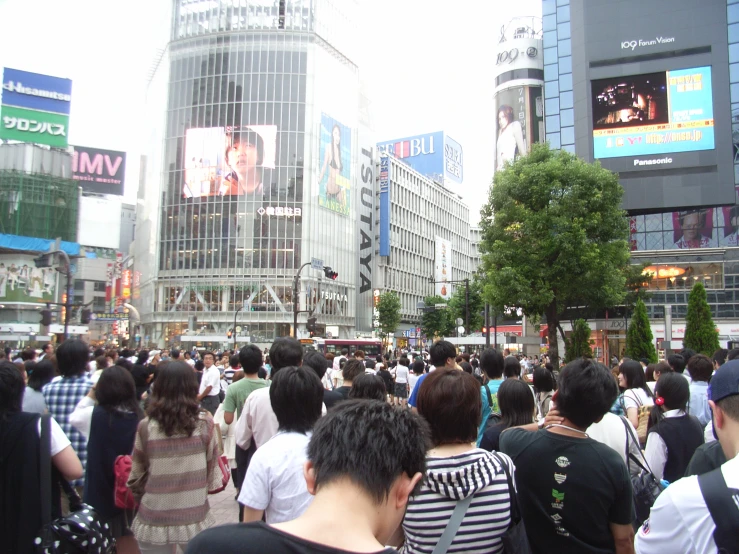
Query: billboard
(655,113)
(519,122)
(435,155)
(100,171)
(385,206)
(225,161)
(99,222)
(335,163)
(22,281)
(443,268)
(35,108)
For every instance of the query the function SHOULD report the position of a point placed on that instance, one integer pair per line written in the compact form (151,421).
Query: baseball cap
(725,382)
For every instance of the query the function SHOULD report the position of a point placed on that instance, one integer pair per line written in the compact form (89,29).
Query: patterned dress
(171,476)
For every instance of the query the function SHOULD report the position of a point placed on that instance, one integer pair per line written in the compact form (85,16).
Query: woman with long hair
(517,408)
(111,428)
(332,162)
(636,392)
(544,389)
(449,400)
(510,144)
(175,463)
(673,436)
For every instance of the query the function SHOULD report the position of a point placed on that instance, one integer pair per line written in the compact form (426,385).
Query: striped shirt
(448,480)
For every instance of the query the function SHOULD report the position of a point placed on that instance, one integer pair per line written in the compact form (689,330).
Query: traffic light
(46,317)
(230,333)
(312,324)
(85,316)
(330,273)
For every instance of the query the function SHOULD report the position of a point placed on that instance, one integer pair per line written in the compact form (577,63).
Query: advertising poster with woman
(692,229)
(518,123)
(335,166)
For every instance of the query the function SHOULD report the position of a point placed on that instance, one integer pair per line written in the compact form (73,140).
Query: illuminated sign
(384,206)
(280,211)
(663,272)
(375,311)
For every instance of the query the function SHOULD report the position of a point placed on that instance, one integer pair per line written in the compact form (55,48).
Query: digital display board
(656,113)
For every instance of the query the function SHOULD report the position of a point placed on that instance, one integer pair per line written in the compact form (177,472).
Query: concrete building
(423,221)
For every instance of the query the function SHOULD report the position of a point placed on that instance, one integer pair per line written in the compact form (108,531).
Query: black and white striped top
(450,479)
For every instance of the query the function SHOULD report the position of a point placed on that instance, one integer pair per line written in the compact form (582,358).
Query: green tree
(477,304)
(700,332)
(437,322)
(578,344)
(388,308)
(639,338)
(554,236)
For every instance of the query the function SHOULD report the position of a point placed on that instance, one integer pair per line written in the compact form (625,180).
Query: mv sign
(100,171)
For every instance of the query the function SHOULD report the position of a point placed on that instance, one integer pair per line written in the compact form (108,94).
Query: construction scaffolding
(38,205)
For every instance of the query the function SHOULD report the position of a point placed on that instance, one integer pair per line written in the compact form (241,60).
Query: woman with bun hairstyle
(673,435)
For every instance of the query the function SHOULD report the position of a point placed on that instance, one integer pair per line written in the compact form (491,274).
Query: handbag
(123,497)
(514,539)
(645,486)
(80,532)
(226,473)
(643,419)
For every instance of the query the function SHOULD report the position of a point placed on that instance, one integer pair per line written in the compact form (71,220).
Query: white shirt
(401,374)
(708,432)
(257,420)
(679,520)
(633,398)
(656,450)
(59,440)
(211,378)
(611,431)
(81,417)
(339,376)
(337,362)
(412,378)
(274,481)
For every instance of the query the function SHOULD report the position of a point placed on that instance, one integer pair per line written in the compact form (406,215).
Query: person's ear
(404,489)
(718,415)
(309,473)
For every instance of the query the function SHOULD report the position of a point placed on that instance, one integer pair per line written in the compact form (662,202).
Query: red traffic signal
(230,333)
(330,273)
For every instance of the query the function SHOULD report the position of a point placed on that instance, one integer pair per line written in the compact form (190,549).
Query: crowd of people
(341,452)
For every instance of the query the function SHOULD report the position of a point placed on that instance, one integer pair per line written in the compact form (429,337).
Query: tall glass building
(257,167)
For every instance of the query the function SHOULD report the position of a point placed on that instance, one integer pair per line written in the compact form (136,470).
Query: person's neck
(249,182)
(340,501)
(347,383)
(575,431)
(252,376)
(449,450)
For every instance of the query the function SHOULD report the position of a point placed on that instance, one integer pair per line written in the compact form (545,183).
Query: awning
(33,244)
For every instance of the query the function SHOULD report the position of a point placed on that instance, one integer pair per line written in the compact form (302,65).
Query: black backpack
(721,503)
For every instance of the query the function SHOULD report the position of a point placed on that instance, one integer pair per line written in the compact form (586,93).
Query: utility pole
(467,305)
(487,328)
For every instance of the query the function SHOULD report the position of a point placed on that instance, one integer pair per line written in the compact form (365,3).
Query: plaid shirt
(62,395)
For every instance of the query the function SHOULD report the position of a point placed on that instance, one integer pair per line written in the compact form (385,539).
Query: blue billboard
(384,205)
(34,91)
(434,155)
(657,113)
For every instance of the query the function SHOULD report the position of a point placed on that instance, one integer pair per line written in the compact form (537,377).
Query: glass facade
(244,198)
(558,98)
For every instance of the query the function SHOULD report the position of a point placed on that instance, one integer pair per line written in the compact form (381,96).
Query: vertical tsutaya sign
(100,171)
(384,206)
(366,213)
(35,108)
(443,268)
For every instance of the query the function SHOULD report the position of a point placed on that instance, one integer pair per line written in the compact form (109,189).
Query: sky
(429,66)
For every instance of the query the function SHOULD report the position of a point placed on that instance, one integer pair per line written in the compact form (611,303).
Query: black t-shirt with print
(570,489)
(257,538)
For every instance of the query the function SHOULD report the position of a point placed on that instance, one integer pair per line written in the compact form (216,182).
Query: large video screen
(221,161)
(657,113)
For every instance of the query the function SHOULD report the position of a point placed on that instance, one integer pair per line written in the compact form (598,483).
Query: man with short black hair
(677,362)
(442,354)
(210,384)
(352,369)
(233,366)
(575,493)
(361,478)
(175,354)
(492,365)
(258,420)
(699,514)
(318,363)
(274,486)
(47,351)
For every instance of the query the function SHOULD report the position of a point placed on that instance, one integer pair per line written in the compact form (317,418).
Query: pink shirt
(257,420)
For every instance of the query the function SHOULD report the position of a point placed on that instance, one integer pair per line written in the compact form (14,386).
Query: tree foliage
(477,304)
(437,322)
(700,332)
(553,236)
(388,309)
(639,338)
(578,343)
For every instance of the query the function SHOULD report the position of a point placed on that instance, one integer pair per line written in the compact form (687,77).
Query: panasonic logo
(10,86)
(658,161)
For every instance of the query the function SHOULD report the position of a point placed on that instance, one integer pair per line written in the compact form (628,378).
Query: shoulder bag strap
(515,510)
(719,499)
(490,396)
(629,456)
(450,531)
(45,469)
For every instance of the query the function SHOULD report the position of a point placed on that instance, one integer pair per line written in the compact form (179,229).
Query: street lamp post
(234,328)
(296,299)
